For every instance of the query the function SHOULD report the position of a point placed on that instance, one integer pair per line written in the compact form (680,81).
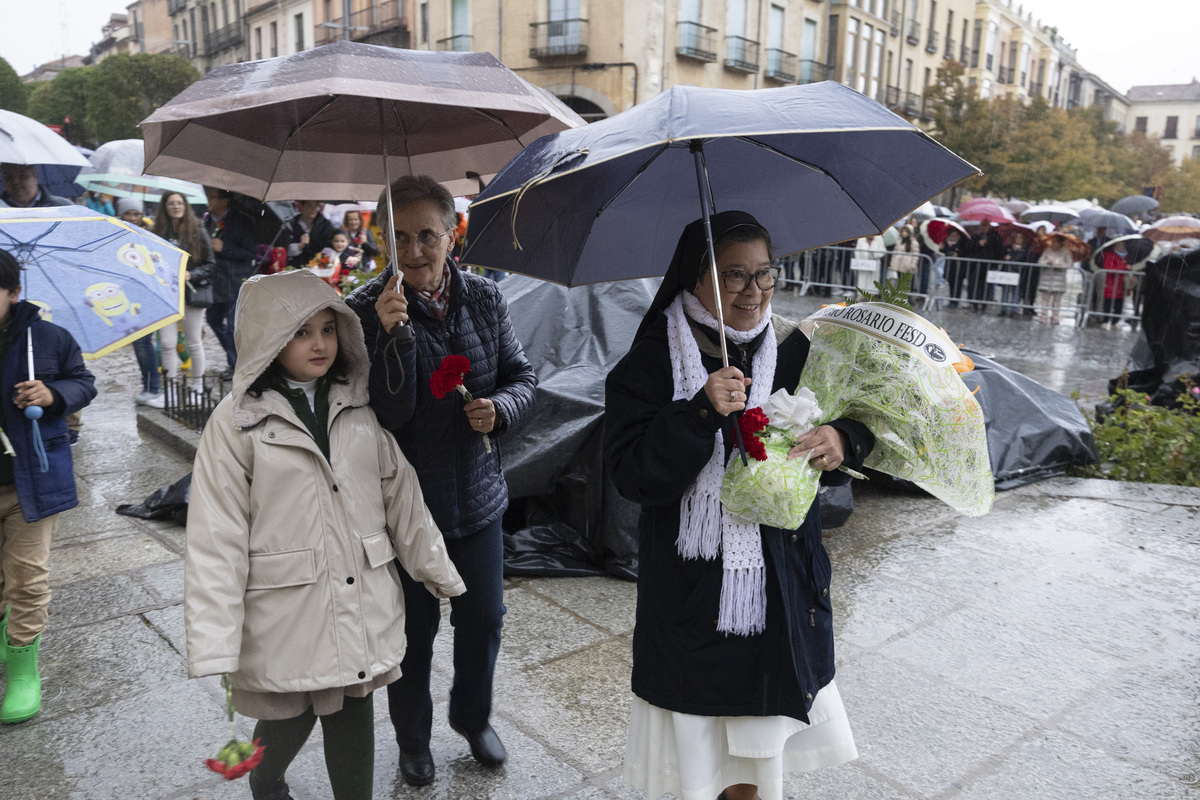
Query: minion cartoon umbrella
(104,280)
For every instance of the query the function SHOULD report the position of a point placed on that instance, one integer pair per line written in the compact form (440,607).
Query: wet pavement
(1047,650)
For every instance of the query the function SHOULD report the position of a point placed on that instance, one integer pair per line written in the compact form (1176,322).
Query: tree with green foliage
(53,102)
(14,95)
(1181,188)
(1037,152)
(128,88)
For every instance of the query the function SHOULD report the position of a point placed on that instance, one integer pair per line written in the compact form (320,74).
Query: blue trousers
(220,317)
(147,359)
(476,617)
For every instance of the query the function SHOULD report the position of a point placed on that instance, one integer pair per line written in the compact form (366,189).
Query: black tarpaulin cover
(1033,432)
(1168,350)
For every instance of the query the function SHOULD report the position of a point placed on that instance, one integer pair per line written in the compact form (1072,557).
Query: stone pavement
(1047,650)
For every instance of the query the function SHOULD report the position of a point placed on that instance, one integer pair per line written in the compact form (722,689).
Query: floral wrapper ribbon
(773,489)
(895,372)
(449,376)
(236,758)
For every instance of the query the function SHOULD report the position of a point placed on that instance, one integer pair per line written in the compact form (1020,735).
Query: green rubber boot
(4,638)
(23,694)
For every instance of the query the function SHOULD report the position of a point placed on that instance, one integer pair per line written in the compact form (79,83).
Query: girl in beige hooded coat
(290,585)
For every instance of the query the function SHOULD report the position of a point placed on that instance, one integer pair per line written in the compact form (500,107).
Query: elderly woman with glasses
(733,642)
(450,312)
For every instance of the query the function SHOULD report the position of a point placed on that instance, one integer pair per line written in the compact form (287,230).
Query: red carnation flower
(231,765)
(750,423)
(449,375)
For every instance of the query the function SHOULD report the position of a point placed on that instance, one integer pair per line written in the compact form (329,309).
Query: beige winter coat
(289,582)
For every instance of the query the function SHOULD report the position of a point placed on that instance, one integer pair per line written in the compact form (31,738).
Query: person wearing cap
(733,640)
(133,211)
(22,190)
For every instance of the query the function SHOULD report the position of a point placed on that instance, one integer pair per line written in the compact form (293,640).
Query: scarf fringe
(743,601)
(699,512)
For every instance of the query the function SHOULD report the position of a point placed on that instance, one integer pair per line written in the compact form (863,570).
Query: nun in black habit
(733,645)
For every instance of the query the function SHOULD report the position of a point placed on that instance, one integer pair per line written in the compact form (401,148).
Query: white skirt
(695,757)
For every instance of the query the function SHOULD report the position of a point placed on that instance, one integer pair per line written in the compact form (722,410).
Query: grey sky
(1125,42)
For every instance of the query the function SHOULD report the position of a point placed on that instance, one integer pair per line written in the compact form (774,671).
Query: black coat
(235,263)
(463,484)
(654,448)
(319,237)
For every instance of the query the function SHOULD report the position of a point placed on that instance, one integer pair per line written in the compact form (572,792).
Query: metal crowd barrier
(833,271)
(1092,301)
(947,282)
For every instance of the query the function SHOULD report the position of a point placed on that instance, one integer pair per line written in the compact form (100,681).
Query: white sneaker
(156,401)
(143,397)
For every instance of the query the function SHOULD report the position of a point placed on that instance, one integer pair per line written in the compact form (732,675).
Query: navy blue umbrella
(816,164)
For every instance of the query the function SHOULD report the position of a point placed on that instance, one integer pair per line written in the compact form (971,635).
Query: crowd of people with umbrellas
(1016,257)
(316,581)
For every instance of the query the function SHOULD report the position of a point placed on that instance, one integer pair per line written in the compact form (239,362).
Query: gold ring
(824,461)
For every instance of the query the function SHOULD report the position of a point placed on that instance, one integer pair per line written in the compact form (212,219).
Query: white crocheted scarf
(705,526)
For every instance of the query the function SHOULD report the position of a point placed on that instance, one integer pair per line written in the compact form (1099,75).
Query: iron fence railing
(741,54)
(814,71)
(457,44)
(781,65)
(190,401)
(931,41)
(697,41)
(914,32)
(951,48)
(381,16)
(560,37)
(221,39)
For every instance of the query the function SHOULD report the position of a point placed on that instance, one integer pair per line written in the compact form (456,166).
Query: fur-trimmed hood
(270,309)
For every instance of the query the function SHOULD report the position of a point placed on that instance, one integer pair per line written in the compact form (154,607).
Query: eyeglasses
(426,238)
(736,281)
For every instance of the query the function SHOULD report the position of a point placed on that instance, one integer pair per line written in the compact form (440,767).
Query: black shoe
(486,746)
(73,437)
(417,768)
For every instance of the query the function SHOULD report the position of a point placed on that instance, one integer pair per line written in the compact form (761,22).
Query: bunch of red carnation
(236,759)
(449,376)
(750,423)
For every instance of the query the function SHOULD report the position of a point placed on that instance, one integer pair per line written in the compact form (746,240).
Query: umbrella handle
(697,148)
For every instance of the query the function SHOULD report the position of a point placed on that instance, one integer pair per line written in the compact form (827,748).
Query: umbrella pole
(401,332)
(697,148)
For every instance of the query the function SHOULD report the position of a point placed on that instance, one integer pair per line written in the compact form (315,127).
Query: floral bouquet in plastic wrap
(770,489)
(890,369)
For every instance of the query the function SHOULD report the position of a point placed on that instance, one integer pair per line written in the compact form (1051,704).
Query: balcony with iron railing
(560,37)
(221,39)
(931,41)
(1002,75)
(951,48)
(781,66)
(697,41)
(1035,90)
(814,71)
(175,6)
(382,16)
(896,21)
(891,97)
(456,44)
(741,54)
(914,32)
(914,104)
(964,57)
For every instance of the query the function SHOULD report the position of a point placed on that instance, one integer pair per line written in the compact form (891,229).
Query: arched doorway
(584,108)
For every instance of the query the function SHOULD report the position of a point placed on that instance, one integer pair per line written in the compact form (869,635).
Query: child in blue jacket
(30,496)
